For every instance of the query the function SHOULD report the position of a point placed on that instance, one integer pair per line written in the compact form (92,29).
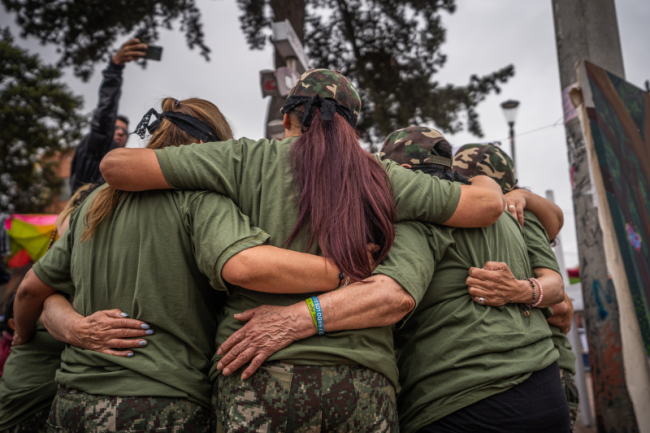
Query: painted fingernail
(144,326)
(130,354)
(124,315)
(149,332)
(143,343)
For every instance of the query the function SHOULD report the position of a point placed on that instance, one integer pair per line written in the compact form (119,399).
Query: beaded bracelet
(541,293)
(533,286)
(313,304)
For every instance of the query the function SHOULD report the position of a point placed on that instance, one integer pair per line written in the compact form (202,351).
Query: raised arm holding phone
(108,130)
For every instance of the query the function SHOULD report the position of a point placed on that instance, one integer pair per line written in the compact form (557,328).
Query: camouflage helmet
(474,159)
(415,145)
(328,84)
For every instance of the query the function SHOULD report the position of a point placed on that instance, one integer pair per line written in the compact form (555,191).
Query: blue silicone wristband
(319,316)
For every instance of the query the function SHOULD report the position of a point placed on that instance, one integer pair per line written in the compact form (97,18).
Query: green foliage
(391,49)
(38,116)
(84,31)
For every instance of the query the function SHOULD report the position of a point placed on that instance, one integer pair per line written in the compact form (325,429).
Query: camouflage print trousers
(36,423)
(305,399)
(75,411)
(571,390)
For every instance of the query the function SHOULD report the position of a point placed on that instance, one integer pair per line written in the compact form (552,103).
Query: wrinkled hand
(516,203)
(496,285)
(562,314)
(129,51)
(106,330)
(268,329)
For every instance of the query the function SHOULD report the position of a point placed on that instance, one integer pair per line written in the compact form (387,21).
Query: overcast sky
(482,36)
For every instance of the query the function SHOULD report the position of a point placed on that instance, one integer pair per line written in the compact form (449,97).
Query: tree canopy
(85,32)
(38,116)
(391,49)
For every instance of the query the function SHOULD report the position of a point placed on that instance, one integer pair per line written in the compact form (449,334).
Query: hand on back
(107,330)
(495,285)
(562,314)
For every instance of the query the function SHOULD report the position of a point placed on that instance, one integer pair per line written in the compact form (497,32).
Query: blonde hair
(74,202)
(167,134)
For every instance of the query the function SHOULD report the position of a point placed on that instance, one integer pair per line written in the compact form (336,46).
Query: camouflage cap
(328,84)
(415,146)
(474,159)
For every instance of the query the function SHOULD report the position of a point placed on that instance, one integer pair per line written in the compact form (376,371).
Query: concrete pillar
(588,30)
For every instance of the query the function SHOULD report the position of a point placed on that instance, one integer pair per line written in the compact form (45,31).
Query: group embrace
(299,285)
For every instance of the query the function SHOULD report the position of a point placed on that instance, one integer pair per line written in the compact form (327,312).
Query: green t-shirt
(27,385)
(258,177)
(157,257)
(541,255)
(453,352)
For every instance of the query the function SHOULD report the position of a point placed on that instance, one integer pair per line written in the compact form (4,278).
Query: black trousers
(538,404)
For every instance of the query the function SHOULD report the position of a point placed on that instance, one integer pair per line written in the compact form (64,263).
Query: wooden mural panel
(620,126)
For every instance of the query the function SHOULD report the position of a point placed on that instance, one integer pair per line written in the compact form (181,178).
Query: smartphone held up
(153,53)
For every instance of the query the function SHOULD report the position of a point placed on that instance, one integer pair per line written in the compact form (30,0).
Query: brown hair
(167,134)
(345,196)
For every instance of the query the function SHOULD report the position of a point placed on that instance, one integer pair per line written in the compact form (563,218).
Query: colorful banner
(29,236)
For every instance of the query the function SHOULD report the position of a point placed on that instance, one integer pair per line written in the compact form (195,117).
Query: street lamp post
(510,108)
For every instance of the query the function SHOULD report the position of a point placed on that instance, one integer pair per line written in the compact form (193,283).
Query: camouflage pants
(36,423)
(291,398)
(75,411)
(571,390)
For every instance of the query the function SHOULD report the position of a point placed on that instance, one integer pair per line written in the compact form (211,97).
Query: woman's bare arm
(275,270)
(28,306)
(480,205)
(133,170)
(378,301)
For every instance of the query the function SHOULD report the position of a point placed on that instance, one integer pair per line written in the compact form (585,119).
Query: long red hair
(345,196)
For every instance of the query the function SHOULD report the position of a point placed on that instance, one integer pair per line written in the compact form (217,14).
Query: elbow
(492,209)
(400,304)
(110,167)
(238,271)
(558,227)
(27,292)
(406,304)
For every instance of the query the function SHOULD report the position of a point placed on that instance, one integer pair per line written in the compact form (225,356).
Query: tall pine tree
(38,117)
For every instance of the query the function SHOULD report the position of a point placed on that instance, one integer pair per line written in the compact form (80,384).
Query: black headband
(440,171)
(190,124)
(327,109)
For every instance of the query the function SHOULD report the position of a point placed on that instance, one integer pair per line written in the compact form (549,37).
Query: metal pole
(576,345)
(512,144)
